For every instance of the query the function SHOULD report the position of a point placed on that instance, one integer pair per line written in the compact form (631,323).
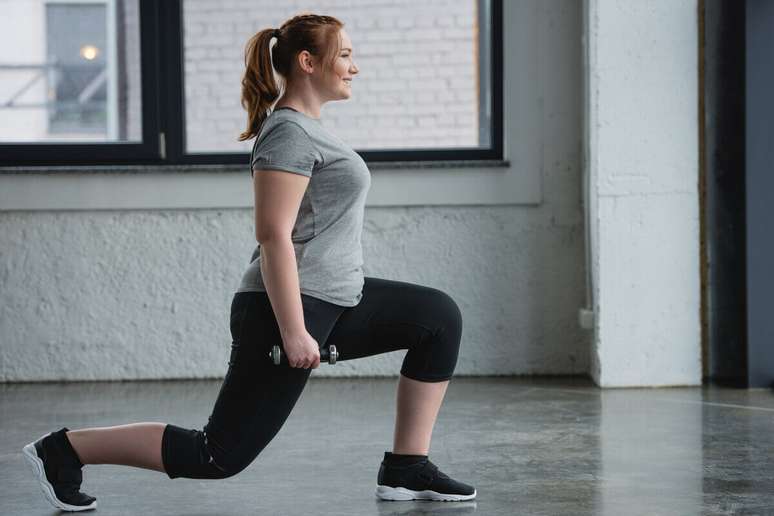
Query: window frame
(163,109)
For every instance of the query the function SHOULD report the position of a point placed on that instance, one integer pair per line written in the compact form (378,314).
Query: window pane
(423,79)
(70,71)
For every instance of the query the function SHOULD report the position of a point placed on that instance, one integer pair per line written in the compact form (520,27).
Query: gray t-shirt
(326,235)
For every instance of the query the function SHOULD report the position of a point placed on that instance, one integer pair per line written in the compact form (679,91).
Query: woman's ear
(306,61)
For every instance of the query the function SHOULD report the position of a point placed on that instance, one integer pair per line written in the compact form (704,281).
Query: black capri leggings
(257,396)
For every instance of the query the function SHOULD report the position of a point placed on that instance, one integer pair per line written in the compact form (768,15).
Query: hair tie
(275,33)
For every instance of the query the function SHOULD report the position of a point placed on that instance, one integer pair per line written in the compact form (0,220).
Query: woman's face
(338,83)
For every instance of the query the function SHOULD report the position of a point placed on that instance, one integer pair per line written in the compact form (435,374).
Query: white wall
(128,289)
(642,151)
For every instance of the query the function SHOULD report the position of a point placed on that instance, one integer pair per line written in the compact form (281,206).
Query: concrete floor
(530,446)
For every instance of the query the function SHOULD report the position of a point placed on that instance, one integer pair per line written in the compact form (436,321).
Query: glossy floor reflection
(530,446)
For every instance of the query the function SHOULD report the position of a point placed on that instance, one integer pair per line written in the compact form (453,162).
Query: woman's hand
(301,349)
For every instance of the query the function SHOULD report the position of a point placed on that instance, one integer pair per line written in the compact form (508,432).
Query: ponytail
(259,86)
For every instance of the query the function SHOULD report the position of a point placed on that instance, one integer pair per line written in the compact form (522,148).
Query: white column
(641,190)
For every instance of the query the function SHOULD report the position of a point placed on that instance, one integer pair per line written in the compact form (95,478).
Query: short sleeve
(285,146)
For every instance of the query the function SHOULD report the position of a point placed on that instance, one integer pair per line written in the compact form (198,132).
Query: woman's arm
(280,276)
(278,196)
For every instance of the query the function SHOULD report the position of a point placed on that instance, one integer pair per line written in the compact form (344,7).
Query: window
(76,79)
(148,82)
(69,79)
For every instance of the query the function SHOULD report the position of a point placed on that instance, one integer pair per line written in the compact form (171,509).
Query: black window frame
(163,109)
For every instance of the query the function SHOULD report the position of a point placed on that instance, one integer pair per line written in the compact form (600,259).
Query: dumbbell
(326,355)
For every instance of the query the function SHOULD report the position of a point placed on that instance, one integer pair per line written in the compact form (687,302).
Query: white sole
(401,493)
(40,473)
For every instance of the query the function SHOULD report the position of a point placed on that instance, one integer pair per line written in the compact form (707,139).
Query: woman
(303,289)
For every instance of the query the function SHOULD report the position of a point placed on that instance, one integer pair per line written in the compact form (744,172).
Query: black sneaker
(415,477)
(58,470)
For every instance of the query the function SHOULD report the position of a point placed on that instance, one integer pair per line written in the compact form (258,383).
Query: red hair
(318,34)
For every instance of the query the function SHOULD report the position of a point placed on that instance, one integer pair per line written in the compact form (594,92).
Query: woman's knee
(447,317)
(436,359)
(188,453)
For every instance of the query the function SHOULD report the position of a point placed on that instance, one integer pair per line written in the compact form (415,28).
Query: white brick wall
(417,84)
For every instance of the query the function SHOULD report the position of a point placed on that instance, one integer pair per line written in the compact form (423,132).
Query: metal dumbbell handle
(328,355)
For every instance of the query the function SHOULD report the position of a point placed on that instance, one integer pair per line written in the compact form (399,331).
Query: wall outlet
(586,318)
